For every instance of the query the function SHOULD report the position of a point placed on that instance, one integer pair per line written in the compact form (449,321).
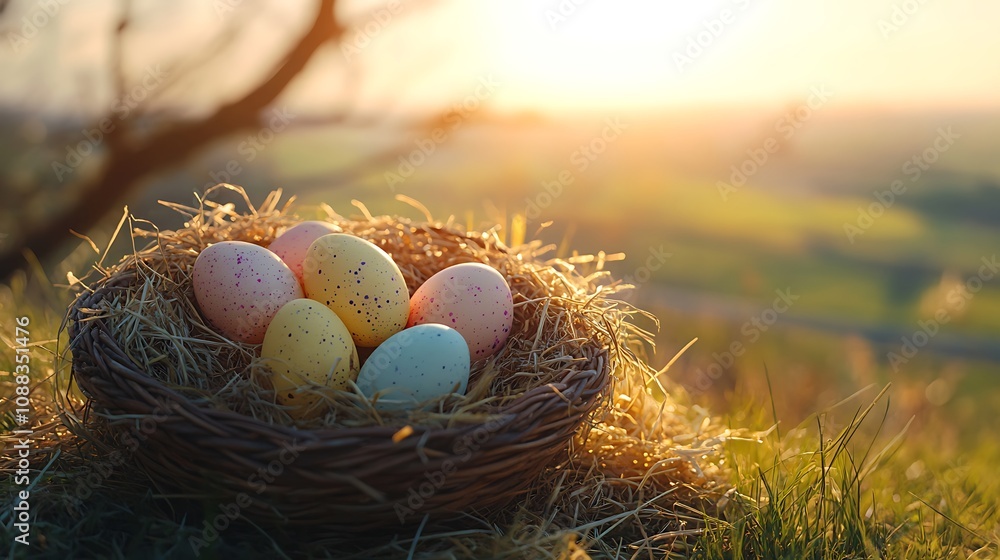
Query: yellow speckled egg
(239,287)
(361,284)
(307,343)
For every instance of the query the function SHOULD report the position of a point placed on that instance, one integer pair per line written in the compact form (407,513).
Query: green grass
(819,491)
(802,503)
(842,484)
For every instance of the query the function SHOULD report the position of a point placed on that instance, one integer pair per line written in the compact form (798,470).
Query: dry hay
(638,477)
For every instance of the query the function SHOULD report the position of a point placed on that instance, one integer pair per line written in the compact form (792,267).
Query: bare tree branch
(118,67)
(129,163)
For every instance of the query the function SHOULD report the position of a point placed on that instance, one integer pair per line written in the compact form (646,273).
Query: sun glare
(570,54)
(585,54)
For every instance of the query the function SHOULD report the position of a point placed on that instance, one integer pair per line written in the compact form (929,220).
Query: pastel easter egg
(294,242)
(473,299)
(359,282)
(416,365)
(239,288)
(307,344)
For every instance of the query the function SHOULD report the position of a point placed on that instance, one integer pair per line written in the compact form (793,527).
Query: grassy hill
(654,191)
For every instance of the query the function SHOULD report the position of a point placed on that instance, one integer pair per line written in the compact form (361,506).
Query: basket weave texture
(361,476)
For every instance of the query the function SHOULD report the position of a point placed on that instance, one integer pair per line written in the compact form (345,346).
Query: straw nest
(563,417)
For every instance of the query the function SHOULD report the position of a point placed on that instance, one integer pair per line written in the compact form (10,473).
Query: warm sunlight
(560,56)
(571,56)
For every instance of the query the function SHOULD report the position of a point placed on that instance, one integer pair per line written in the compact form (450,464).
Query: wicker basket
(342,477)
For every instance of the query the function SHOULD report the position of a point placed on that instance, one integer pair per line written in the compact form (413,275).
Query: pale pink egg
(293,244)
(473,299)
(240,286)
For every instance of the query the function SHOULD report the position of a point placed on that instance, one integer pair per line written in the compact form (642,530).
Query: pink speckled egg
(240,286)
(292,245)
(473,299)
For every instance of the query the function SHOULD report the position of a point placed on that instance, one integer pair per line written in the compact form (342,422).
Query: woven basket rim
(530,431)
(139,376)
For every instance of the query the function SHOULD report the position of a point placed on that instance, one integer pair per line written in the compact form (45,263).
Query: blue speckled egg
(416,365)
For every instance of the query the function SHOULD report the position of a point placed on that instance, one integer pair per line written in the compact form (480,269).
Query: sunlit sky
(546,55)
(607,51)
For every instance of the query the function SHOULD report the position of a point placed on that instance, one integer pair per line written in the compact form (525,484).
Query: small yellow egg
(306,343)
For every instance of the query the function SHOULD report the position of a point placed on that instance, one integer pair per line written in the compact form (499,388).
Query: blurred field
(856,301)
